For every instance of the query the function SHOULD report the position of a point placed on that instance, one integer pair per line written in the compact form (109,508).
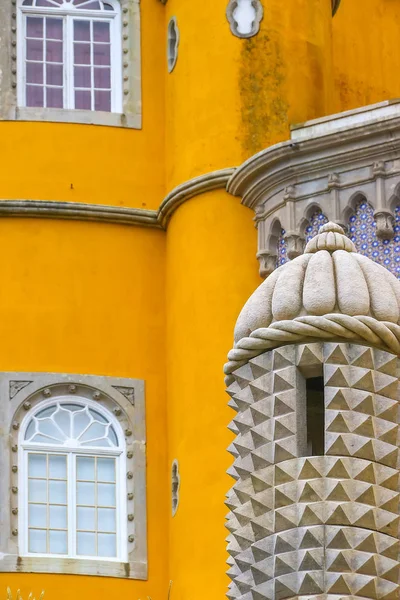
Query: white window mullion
(68,63)
(116,65)
(121,493)
(92,99)
(72,505)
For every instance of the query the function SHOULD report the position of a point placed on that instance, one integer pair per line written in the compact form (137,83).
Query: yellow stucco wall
(365,57)
(228,97)
(89,298)
(211,243)
(101,165)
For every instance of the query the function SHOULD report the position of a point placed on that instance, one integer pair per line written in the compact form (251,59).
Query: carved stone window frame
(259,13)
(131,117)
(124,398)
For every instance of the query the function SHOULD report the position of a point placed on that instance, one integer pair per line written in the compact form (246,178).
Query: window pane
(102,101)
(37,465)
(47,427)
(106,494)
(101,54)
(54,52)
(37,540)
(37,490)
(106,545)
(57,467)
(30,430)
(106,469)
(58,542)
(93,432)
(57,492)
(86,518)
(34,50)
(83,100)
(58,517)
(81,419)
(101,31)
(82,78)
(34,74)
(102,78)
(92,6)
(82,31)
(54,29)
(85,468)
(61,417)
(106,519)
(46,412)
(54,97)
(97,416)
(34,27)
(85,493)
(37,515)
(86,544)
(82,54)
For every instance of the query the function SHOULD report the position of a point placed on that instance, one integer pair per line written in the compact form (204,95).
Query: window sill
(73,566)
(84,117)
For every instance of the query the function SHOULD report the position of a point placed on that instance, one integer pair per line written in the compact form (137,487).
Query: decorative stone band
(308,329)
(77,211)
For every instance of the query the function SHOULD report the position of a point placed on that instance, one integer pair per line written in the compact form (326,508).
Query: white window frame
(26,448)
(68,16)
(122,397)
(131,115)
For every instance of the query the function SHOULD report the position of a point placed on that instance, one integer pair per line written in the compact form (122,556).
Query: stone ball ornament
(328,293)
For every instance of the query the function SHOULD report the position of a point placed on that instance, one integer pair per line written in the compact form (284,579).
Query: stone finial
(331,237)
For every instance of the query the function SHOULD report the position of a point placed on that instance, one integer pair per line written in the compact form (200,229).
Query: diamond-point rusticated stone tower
(313,378)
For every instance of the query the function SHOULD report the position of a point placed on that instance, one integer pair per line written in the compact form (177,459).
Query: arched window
(281,249)
(69,54)
(316,220)
(72,481)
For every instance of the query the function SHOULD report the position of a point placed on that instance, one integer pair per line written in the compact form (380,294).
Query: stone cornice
(320,147)
(115,214)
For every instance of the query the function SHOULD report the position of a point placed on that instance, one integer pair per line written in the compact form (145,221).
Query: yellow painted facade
(106,299)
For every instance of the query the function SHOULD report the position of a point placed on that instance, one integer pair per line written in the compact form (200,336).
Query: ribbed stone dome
(330,277)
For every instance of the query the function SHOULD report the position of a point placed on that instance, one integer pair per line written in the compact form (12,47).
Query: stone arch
(307,219)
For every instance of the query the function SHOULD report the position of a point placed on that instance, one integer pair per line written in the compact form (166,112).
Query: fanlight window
(72,487)
(70,54)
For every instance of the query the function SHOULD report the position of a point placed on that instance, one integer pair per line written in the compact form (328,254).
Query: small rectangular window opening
(315,416)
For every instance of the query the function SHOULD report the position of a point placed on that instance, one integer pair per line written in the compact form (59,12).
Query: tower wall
(312,525)
(227,97)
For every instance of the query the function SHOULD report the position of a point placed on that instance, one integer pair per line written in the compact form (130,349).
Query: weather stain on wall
(264,107)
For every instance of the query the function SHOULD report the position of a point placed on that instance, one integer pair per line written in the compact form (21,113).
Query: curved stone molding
(244,17)
(327,165)
(45,209)
(198,185)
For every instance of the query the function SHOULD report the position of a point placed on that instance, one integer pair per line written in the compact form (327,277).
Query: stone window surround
(131,76)
(19,392)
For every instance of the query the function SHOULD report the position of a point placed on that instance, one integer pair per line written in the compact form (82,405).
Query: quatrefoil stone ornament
(244,17)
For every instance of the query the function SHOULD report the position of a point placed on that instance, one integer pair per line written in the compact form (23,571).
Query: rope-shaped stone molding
(308,329)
